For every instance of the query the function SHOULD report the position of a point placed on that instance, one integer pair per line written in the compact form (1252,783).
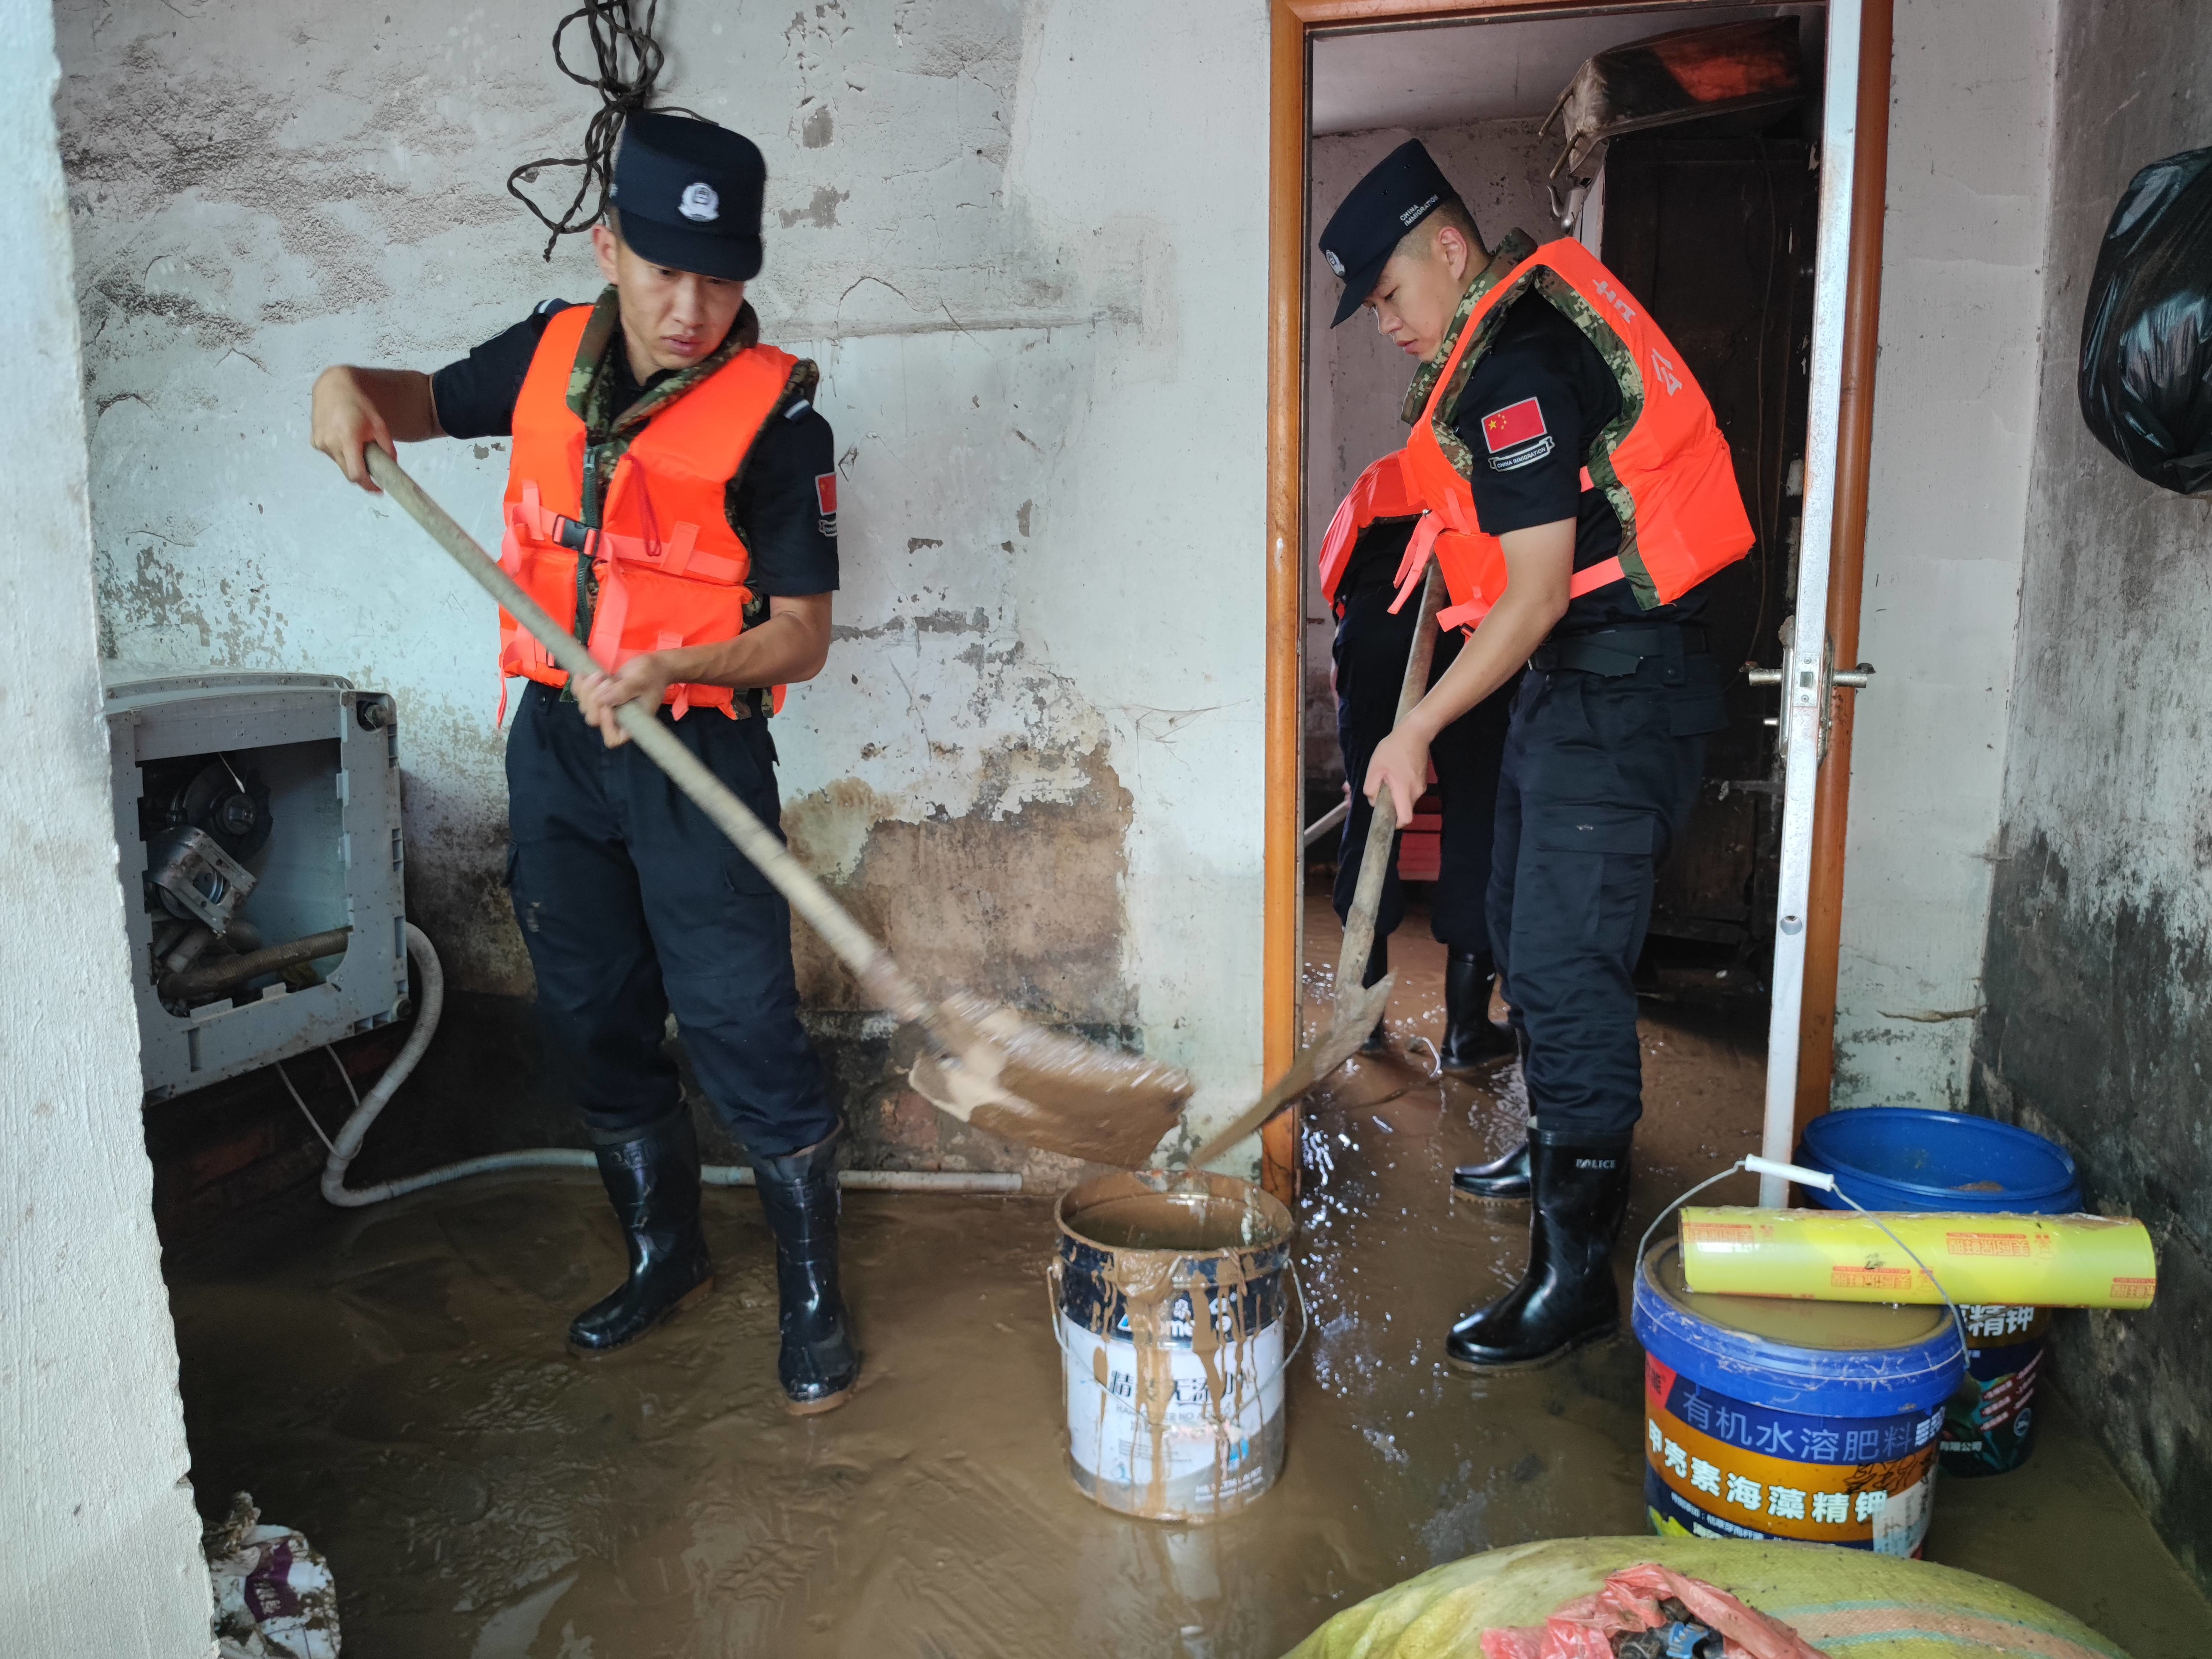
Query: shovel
(1357,1009)
(991,1069)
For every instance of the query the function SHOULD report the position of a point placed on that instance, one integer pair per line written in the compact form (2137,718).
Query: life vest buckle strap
(1419,549)
(676,555)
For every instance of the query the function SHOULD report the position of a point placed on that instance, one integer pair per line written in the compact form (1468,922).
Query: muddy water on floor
(394,1383)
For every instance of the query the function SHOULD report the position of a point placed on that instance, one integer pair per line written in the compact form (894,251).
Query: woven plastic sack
(1629,1601)
(2146,373)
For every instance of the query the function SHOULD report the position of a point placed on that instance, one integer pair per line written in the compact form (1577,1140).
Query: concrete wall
(102,1544)
(1356,378)
(1955,395)
(2099,965)
(1035,761)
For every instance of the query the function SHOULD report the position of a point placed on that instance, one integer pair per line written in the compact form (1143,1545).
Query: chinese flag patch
(825,491)
(1514,425)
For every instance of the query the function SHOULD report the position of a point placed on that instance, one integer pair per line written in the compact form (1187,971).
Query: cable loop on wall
(628,62)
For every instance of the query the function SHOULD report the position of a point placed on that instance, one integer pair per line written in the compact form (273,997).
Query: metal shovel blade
(1355,1017)
(1042,1088)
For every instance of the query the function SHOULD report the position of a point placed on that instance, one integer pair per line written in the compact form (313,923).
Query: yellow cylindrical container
(1842,1255)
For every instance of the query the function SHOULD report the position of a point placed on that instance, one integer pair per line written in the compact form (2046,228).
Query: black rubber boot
(819,1362)
(1567,1297)
(1473,1040)
(1378,963)
(652,1178)
(1502,1181)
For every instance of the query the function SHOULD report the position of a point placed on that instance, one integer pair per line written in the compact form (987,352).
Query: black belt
(757,698)
(1613,653)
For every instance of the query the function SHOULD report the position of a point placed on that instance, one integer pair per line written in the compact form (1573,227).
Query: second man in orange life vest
(1577,491)
(672,496)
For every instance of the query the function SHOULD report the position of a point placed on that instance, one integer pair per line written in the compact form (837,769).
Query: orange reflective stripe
(678,556)
(1603,574)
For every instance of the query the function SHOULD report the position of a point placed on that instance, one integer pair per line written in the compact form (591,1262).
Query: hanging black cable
(629,62)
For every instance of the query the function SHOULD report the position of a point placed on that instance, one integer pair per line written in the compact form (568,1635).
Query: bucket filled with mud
(1170,1297)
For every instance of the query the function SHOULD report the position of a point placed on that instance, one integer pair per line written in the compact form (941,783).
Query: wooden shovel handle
(880,977)
(1383,825)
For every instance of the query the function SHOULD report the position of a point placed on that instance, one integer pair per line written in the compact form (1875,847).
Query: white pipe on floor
(347,1146)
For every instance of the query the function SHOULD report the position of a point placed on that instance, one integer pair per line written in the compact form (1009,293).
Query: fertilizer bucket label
(1720,1467)
(1989,1426)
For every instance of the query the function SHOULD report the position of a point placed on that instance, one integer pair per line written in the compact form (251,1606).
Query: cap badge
(1334,263)
(700,203)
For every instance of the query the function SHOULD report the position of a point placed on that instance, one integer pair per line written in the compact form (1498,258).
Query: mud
(394,1384)
(1163,1221)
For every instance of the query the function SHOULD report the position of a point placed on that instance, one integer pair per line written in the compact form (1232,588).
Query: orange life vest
(1663,464)
(1383,491)
(671,571)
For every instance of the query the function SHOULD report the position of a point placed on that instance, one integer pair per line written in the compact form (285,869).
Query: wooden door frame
(1294,24)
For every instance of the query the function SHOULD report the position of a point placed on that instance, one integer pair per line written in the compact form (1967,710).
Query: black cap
(690,195)
(1402,189)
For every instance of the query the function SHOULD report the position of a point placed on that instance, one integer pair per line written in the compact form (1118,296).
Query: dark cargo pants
(1599,778)
(632,904)
(1370,669)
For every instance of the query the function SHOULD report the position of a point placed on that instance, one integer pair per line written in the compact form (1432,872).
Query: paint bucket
(1906,1159)
(1169,1292)
(1766,1418)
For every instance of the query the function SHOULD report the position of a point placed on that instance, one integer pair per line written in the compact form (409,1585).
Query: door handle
(1849,680)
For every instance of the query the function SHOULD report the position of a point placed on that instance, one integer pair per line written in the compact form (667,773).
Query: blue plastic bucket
(1773,1418)
(1907,1159)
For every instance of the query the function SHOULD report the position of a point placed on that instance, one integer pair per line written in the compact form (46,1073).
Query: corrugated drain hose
(366,1109)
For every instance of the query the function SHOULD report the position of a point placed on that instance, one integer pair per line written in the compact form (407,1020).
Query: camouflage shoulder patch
(1621,363)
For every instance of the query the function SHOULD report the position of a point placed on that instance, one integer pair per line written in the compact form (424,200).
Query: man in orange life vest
(672,496)
(1576,490)
(1360,557)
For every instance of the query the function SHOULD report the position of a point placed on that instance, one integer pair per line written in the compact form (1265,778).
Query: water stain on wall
(1021,905)
(2098,1024)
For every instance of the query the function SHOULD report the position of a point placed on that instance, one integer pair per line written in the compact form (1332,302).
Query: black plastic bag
(2146,380)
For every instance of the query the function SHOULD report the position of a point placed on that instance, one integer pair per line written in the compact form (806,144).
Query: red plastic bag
(1583,1628)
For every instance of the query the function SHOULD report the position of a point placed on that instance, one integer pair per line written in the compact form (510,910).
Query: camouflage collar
(591,385)
(1516,246)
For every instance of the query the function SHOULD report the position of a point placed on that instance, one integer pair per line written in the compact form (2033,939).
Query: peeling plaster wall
(1964,249)
(1356,378)
(1041,329)
(102,1543)
(2099,1029)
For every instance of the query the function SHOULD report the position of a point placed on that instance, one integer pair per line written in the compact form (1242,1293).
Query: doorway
(1734,234)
